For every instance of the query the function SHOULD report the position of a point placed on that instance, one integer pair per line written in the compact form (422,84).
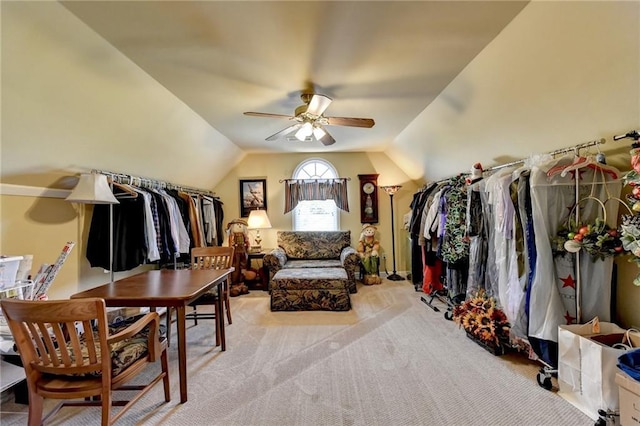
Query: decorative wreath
(598,239)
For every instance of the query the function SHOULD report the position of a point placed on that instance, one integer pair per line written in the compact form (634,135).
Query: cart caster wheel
(544,381)
(601,422)
(448,316)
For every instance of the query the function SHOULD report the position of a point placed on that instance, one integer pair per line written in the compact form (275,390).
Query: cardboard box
(629,399)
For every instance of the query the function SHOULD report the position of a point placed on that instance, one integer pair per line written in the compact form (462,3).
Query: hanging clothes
(477,225)
(417,205)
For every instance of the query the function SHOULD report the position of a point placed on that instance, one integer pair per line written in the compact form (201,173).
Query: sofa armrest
(274,261)
(276,258)
(351,263)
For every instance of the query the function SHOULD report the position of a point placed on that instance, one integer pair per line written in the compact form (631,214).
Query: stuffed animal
(239,239)
(368,249)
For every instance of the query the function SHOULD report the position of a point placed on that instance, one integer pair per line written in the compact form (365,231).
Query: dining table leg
(182,352)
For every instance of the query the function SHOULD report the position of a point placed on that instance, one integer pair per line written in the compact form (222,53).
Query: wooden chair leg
(165,380)
(228,309)
(106,409)
(36,405)
(218,318)
(226,301)
(168,326)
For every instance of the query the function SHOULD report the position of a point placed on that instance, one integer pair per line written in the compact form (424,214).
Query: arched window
(315,215)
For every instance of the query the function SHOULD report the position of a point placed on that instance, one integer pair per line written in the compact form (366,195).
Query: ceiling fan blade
(327,139)
(283,132)
(266,114)
(318,104)
(350,121)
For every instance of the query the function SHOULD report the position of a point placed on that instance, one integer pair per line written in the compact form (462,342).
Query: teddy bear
(368,249)
(239,240)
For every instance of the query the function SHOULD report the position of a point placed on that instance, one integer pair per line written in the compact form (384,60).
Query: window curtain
(296,190)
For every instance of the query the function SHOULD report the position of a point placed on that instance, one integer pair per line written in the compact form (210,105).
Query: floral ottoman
(310,289)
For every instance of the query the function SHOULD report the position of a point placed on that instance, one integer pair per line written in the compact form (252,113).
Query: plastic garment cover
(553,290)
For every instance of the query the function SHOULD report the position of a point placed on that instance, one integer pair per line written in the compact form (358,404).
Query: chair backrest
(211,257)
(50,339)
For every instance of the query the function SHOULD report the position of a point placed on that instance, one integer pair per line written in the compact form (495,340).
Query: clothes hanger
(591,163)
(129,192)
(581,162)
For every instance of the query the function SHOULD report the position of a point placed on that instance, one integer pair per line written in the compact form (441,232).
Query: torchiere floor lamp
(391,190)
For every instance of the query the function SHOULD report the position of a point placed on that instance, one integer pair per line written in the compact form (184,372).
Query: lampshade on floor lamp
(94,188)
(391,190)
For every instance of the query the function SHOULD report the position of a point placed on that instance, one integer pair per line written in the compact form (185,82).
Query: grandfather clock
(368,198)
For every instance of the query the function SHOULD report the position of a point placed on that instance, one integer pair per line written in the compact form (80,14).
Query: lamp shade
(258,219)
(391,189)
(92,188)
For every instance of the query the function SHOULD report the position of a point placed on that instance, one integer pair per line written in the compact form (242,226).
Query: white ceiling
(382,60)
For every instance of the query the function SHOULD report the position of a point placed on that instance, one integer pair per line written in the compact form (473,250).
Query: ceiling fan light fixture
(318,132)
(305,131)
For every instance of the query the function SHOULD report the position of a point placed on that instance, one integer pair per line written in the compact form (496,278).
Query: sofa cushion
(314,244)
(313,263)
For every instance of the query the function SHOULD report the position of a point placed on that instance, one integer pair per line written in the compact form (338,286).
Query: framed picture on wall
(253,195)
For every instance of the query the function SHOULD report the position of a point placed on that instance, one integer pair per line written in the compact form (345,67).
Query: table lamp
(258,220)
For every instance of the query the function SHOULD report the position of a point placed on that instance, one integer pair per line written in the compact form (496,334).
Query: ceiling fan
(310,120)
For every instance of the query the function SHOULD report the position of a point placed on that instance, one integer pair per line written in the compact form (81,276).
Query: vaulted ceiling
(159,88)
(381,60)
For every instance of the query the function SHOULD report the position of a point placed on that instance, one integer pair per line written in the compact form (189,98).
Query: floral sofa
(314,249)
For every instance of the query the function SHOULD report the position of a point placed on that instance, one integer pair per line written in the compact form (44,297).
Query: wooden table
(171,289)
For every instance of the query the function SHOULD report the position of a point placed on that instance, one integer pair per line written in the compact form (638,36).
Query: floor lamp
(93,188)
(391,190)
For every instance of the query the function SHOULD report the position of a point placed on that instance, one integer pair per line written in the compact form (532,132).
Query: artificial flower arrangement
(630,227)
(598,239)
(483,320)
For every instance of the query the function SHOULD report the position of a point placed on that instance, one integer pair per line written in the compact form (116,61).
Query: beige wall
(561,73)
(276,167)
(41,226)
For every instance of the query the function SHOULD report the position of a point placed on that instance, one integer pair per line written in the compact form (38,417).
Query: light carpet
(389,361)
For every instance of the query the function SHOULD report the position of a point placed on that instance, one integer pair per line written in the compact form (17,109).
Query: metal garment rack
(151,183)
(574,148)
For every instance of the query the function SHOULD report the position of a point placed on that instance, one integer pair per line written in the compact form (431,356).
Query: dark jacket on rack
(129,240)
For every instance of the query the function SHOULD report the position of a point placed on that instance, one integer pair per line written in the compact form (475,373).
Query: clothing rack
(574,148)
(632,134)
(150,183)
(314,179)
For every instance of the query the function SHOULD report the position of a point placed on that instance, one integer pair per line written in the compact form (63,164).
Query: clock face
(368,188)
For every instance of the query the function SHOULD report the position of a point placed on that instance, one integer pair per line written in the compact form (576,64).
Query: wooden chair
(209,258)
(62,361)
